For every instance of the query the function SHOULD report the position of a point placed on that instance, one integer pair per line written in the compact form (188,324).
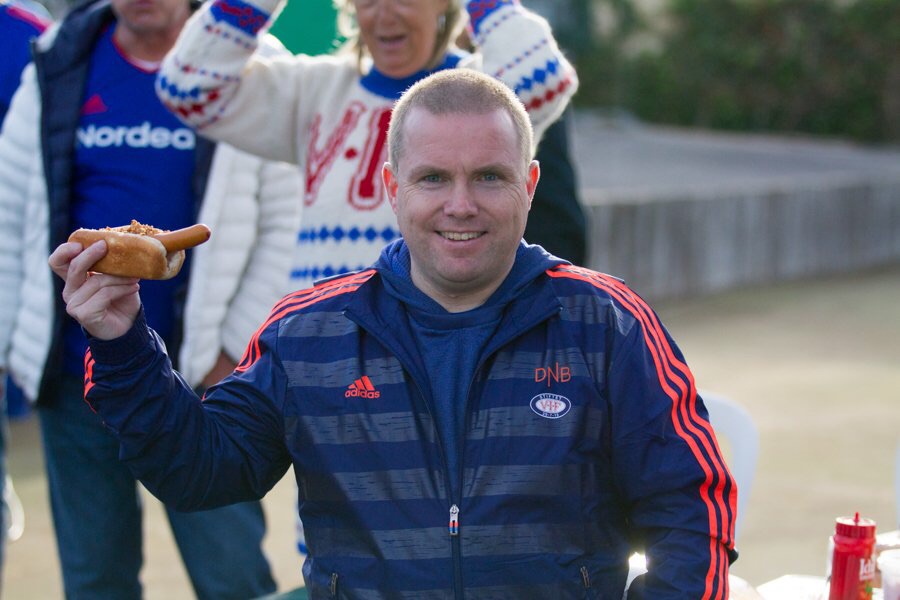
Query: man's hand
(106,306)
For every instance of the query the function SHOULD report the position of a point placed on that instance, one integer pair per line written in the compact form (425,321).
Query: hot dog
(142,251)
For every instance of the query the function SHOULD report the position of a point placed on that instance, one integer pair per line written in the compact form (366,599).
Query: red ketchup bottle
(853,563)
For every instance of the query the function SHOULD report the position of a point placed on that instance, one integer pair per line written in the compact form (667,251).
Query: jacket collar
(384,317)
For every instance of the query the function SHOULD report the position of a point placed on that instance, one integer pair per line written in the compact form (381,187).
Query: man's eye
(432,178)
(490,177)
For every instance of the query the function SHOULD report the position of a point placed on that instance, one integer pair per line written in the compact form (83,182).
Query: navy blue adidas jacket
(584,439)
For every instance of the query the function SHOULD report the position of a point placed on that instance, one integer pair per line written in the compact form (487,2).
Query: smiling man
(460,182)
(471,417)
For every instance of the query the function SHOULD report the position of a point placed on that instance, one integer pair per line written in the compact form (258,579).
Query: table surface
(814,587)
(801,587)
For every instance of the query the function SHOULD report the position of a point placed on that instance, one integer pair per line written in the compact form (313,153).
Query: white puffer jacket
(252,207)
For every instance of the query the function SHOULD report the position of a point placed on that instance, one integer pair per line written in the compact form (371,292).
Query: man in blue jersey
(87,143)
(470,417)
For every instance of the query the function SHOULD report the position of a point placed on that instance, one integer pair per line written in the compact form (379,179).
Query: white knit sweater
(236,277)
(319,113)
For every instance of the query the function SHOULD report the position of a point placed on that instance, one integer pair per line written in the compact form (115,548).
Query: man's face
(461,194)
(151,17)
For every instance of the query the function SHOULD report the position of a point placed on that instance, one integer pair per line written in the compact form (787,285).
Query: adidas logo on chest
(362,388)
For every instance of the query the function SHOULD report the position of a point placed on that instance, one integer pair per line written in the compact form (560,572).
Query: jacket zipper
(453,529)
(454,508)
(586,578)
(333,587)
(454,520)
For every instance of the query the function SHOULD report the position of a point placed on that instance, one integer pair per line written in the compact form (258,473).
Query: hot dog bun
(142,251)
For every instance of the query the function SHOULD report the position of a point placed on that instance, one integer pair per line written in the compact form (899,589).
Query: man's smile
(461,236)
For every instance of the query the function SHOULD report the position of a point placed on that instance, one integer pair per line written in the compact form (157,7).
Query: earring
(442,22)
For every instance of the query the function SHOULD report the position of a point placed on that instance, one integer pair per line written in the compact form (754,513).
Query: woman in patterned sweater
(329,114)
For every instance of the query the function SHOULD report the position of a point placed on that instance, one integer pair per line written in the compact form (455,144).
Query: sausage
(142,251)
(183,239)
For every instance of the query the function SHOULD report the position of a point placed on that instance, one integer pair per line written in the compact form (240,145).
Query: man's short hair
(459,91)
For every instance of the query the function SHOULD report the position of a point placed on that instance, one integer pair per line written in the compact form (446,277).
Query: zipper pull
(454,520)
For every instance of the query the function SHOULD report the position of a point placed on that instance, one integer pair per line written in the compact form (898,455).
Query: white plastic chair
(897,483)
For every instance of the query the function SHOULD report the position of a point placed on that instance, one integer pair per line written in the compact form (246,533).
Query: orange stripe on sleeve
(88,376)
(689,408)
(684,404)
(300,300)
(680,399)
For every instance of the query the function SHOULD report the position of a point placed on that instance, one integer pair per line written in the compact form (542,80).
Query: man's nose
(461,202)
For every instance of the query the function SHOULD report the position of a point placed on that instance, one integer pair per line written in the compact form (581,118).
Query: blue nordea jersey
(133,160)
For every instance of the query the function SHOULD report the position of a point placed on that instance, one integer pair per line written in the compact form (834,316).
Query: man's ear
(531,180)
(390,184)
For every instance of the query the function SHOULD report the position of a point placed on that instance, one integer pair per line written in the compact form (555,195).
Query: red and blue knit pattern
(539,89)
(191,104)
(239,15)
(539,77)
(479,10)
(372,236)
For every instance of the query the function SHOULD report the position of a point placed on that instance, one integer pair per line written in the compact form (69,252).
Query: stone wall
(694,241)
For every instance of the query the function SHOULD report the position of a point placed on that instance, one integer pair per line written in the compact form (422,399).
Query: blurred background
(739,166)
(824,67)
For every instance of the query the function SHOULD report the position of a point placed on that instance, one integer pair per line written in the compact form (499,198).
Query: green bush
(814,66)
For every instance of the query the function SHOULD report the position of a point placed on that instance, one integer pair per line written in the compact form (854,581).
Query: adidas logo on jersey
(362,388)
(140,136)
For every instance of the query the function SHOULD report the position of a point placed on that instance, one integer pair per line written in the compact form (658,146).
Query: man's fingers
(81,287)
(104,305)
(82,263)
(73,265)
(71,260)
(90,302)
(62,256)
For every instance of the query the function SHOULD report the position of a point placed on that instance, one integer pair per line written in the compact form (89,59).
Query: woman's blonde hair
(447,31)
